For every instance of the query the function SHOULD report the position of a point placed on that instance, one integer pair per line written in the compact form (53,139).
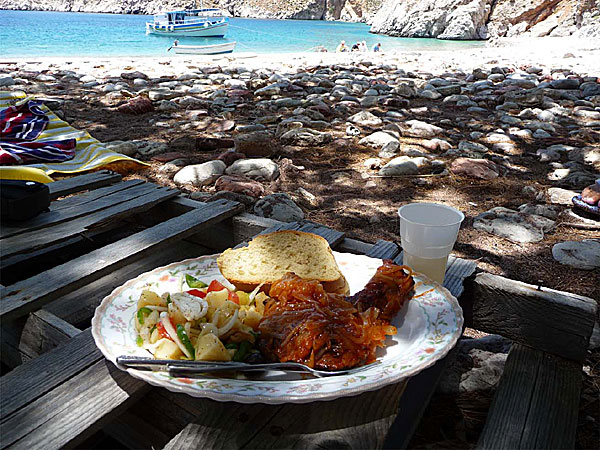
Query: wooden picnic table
(58,389)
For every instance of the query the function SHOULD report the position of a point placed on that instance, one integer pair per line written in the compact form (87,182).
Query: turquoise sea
(41,33)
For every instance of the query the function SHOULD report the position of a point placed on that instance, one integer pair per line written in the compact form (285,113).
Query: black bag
(22,200)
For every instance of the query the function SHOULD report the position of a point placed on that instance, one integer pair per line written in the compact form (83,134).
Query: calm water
(37,33)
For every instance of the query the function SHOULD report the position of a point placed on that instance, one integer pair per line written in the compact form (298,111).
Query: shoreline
(582,56)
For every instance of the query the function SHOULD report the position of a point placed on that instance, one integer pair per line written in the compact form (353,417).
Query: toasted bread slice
(270,256)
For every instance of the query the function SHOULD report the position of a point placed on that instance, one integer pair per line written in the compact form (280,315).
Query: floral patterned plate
(428,327)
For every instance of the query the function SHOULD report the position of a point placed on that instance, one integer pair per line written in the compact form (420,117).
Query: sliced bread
(270,256)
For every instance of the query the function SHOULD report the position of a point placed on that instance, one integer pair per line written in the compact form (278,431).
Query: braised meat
(387,291)
(304,323)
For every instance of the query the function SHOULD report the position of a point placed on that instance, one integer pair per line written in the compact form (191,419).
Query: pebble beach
(508,133)
(524,114)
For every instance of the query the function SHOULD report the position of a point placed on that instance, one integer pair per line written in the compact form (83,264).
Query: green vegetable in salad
(139,341)
(185,340)
(243,352)
(194,282)
(142,312)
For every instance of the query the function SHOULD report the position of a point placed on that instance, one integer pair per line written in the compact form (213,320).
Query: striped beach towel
(90,154)
(23,122)
(20,126)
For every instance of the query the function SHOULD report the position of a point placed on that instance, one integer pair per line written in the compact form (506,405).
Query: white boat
(215,49)
(208,22)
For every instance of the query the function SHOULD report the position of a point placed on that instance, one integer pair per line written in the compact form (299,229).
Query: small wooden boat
(215,49)
(204,22)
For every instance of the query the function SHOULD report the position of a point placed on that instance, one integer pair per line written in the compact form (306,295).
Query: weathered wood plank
(348,422)
(225,234)
(536,404)
(9,262)
(383,250)
(556,322)
(332,236)
(245,226)
(349,245)
(32,240)
(279,226)
(181,410)
(31,336)
(78,201)
(72,207)
(72,411)
(82,182)
(36,291)
(10,337)
(78,307)
(210,424)
(38,376)
(43,331)
(134,433)
(456,273)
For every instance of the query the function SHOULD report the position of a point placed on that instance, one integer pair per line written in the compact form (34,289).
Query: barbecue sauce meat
(305,324)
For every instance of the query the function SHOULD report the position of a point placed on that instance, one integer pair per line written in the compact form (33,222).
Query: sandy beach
(580,55)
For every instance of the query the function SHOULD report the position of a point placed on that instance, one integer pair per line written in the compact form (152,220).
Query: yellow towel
(90,154)
(26,173)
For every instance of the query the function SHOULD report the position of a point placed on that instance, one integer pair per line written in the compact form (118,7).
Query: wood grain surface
(73,410)
(536,404)
(28,295)
(123,204)
(553,321)
(348,422)
(81,183)
(38,376)
(76,206)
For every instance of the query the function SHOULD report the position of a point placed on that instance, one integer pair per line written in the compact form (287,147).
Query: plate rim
(280,399)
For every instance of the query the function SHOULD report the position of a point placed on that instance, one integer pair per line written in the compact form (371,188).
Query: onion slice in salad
(227,328)
(253,294)
(166,322)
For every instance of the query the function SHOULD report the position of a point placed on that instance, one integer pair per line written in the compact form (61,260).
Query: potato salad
(207,322)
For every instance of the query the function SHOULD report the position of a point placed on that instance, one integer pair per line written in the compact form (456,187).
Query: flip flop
(579,203)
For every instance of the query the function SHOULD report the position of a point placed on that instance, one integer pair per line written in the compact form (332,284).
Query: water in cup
(428,232)
(434,268)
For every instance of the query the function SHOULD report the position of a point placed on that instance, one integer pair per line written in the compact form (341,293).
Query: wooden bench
(61,390)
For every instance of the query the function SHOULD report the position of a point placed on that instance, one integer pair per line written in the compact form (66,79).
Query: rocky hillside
(482,19)
(348,10)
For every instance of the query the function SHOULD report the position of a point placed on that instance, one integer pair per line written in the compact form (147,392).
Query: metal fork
(181,368)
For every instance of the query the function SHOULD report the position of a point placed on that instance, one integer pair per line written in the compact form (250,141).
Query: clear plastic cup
(428,232)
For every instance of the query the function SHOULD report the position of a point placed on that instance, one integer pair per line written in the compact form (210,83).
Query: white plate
(428,327)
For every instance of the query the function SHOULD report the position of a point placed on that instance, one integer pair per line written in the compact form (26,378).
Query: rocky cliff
(482,19)
(348,10)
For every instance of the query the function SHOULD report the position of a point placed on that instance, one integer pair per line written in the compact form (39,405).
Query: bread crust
(338,285)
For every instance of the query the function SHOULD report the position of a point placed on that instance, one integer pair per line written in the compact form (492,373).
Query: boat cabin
(182,17)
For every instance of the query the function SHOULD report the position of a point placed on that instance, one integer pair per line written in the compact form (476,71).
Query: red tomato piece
(197,293)
(233,297)
(162,333)
(215,286)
